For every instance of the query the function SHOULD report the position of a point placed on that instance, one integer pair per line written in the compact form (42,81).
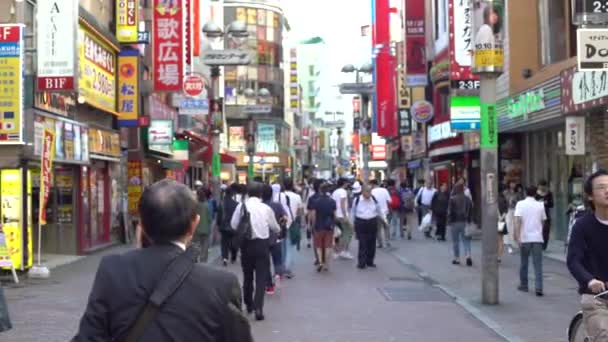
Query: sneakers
(225,262)
(469,262)
(270,290)
(347,255)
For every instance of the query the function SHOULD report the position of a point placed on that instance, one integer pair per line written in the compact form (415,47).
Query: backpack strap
(174,276)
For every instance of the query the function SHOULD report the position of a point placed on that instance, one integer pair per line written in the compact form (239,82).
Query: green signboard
(489,126)
(250,171)
(216,165)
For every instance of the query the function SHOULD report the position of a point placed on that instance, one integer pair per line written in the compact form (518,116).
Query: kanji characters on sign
(168,45)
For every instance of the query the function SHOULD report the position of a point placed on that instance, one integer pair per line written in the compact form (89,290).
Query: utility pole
(488,60)
(216,159)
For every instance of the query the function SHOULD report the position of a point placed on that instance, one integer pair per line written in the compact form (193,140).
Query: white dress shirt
(262,218)
(365,209)
(295,203)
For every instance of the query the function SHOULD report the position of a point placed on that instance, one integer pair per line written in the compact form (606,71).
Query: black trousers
(367,232)
(546,233)
(255,261)
(228,249)
(441,221)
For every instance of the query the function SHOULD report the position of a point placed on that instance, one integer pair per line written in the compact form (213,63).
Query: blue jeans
(536,249)
(457,230)
(395,225)
(287,251)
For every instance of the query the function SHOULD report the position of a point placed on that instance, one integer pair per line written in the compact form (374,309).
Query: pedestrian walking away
(202,238)
(588,257)
(529,217)
(384,199)
(512,196)
(340,197)
(503,230)
(148,294)
(366,212)
(292,204)
(309,206)
(544,195)
(395,211)
(439,207)
(275,240)
(229,204)
(323,220)
(460,213)
(408,204)
(424,200)
(257,220)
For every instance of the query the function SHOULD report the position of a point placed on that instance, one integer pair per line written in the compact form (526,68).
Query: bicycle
(576,329)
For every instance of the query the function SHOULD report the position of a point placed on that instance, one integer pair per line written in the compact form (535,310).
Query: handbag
(501,226)
(471,230)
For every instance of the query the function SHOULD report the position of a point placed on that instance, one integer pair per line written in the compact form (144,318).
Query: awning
(207,155)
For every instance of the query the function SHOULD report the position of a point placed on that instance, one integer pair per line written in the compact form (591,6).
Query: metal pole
(215,91)
(489,195)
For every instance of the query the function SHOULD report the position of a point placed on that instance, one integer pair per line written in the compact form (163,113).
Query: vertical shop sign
(386,115)
(11,84)
(46,165)
(489,126)
(56,30)
(415,44)
(461,40)
(128,88)
(575,135)
(126,20)
(97,71)
(134,189)
(168,45)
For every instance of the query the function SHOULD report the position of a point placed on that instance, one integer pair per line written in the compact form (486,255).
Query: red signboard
(168,45)
(386,115)
(46,166)
(415,44)
(379,152)
(194,85)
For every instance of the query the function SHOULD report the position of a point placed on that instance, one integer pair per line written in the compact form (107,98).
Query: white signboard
(588,86)
(592,49)
(575,135)
(56,44)
(463,21)
(160,132)
(440,132)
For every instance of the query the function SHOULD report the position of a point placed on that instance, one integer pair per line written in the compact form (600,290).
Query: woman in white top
(489,31)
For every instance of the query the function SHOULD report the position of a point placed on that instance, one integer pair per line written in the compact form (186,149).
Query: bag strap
(174,276)
(288,201)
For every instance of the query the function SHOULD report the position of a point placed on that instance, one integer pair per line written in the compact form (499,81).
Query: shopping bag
(426,223)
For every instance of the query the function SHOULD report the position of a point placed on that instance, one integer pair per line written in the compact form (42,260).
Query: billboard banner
(126,21)
(488,53)
(128,88)
(46,169)
(415,44)
(56,24)
(461,40)
(97,76)
(168,45)
(11,78)
(385,113)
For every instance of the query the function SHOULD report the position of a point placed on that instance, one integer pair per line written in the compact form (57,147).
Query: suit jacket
(197,311)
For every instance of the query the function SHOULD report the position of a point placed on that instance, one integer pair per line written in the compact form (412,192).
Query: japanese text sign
(97,64)
(11,84)
(128,88)
(126,20)
(168,45)
(489,126)
(592,49)
(575,135)
(56,32)
(461,39)
(135,186)
(46,165)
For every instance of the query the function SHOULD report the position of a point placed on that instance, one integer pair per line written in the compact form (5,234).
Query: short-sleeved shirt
(532,214)
(338,195)
(383,197)
(324,207)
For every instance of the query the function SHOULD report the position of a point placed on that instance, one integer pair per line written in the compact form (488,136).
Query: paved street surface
(390,303)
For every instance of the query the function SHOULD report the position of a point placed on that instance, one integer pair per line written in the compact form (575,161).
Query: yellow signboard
(128,92)
(97,70)
(11,85)
(13,218)
(489,58)
(104,142)
(126,20)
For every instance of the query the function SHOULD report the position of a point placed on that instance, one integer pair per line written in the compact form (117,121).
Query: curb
(461,301)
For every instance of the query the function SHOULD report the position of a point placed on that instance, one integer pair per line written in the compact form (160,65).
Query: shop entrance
(95,206)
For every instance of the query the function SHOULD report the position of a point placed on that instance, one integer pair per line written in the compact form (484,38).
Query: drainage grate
(414,294)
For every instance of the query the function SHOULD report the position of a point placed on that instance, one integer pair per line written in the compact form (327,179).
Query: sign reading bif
(592,49)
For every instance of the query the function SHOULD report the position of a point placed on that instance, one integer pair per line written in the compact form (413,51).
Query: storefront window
(553,25)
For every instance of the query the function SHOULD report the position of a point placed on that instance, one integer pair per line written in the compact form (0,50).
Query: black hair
(531,191)
(202,195)
(317,185)
(404,184)
(341,182)
(390,182)
(421,181)
(167,209)
(543,182)
(486,17)
(288,184)
(373,182)
(266,193)
(588,187)
(255,189)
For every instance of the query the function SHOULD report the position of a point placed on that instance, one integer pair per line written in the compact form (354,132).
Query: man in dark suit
(200,308)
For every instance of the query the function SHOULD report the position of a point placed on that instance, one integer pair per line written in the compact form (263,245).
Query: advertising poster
(415,44)
(128,88)
(385,113)
(11,78)
(168,45)
(10,195)
(97,64)
(236,139)
(135,186)
(56,32)
(46,167)
(488,28)
(127,21)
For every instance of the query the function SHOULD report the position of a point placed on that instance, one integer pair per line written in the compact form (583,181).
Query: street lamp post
(365,121)
(237,30)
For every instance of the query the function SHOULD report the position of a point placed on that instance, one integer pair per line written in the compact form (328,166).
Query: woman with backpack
(460,214)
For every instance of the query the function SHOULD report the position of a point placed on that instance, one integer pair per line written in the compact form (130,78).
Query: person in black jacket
(229,204)
(439,206)
(199,310)
(544,195)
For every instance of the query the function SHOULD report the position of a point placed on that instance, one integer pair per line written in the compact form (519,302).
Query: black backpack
(244,231)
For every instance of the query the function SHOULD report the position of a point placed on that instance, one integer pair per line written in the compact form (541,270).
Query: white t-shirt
(338,195)
(295,203)
(532,214)
(426,196)
(383,197)
(364,209)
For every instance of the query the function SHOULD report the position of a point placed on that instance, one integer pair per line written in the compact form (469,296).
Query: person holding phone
(588,257)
